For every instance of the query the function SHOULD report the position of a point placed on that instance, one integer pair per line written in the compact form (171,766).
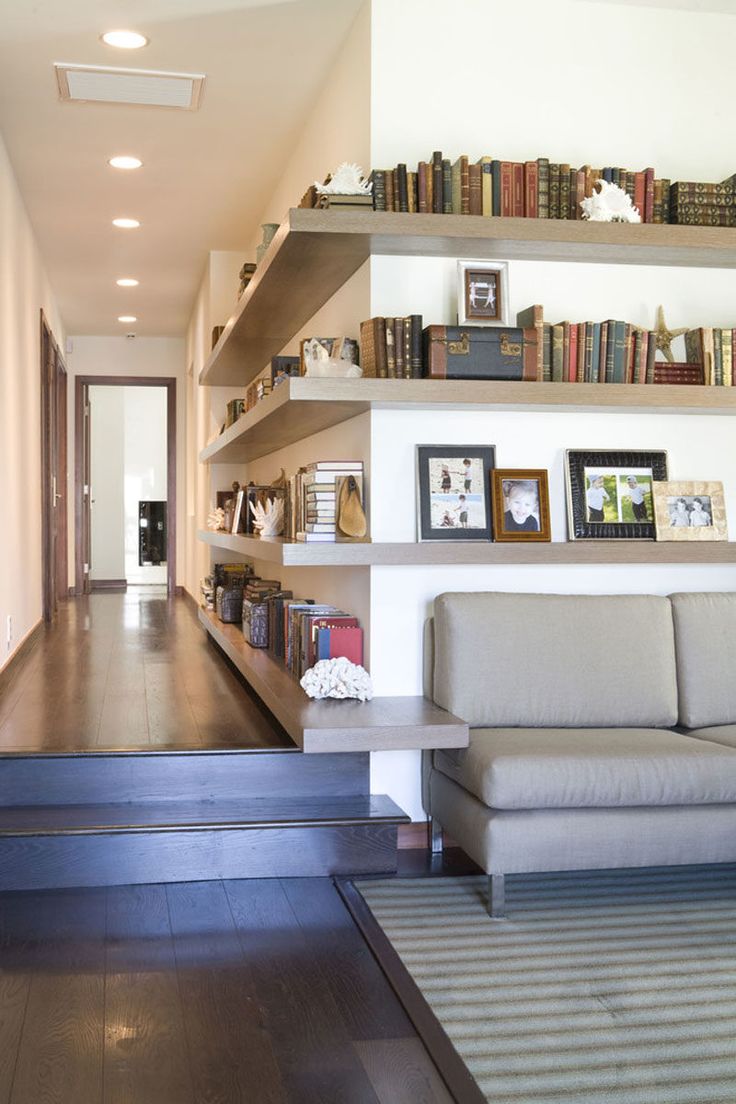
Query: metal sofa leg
(435,835)
(497,896)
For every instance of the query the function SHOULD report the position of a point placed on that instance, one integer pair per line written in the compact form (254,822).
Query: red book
(648,213)
(341,642)
(324,622)
(531,188)
(733,358)
(572,365)
(640,192)
(518,201)
(507,188)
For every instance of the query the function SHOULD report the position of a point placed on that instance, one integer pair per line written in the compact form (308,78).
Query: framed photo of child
(520,500)
(454,492)
(609,494)
(692,511)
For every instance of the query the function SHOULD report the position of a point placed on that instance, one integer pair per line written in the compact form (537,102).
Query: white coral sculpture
(268,519)
(337,678)
(216,519)
(347,179)
(610,204)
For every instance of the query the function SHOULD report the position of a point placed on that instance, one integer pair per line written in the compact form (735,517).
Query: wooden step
(143,776)
(53,847)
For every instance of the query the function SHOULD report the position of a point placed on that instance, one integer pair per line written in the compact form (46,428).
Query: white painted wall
(145,471)
(141,356)
(24,291)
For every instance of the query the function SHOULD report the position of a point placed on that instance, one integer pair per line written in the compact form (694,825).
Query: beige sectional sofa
(603,730)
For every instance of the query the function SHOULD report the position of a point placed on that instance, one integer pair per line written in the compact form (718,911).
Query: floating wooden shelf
(383,724)
(385,554)
(315,252)
(301,407)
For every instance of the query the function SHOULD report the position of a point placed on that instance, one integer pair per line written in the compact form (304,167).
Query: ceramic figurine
(268,519)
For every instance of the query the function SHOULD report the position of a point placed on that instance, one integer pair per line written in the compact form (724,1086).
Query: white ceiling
(206,174)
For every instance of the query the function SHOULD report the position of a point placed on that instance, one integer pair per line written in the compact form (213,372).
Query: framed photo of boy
(609,494)
(454,492)
(689,511)
(483,293)
(520,500)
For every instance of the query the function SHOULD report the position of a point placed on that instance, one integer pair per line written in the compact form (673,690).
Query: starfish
(664,336)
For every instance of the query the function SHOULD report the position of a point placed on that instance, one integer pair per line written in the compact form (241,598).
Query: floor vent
(141,87)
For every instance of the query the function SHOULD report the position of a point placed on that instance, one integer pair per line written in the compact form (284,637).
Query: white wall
(145,471)
(107,467)
(140,356)
(24,291)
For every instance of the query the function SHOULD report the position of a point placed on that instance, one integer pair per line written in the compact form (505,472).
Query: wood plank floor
(240,992)
(129,671)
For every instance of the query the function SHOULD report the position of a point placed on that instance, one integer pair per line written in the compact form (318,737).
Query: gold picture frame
(689,511)
(520,502)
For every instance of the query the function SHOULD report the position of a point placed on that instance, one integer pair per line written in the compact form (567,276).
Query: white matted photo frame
(609,493)
(689,511)
(483,293)
(454,492)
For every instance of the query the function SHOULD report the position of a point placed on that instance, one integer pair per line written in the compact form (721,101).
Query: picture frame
(690,511)
(483,293)
(520,504)
(609,493)
(454,492)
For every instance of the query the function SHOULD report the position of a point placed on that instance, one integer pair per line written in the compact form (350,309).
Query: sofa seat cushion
(564,768)
(721,734)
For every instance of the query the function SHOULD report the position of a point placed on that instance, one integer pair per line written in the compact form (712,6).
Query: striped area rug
(600,988)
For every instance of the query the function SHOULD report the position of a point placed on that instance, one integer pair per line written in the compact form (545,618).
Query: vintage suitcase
(229,604)
(480,352)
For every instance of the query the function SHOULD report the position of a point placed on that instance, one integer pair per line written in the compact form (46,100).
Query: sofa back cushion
(705,644)
(555,660)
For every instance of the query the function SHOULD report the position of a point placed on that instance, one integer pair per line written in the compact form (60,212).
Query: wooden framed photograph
(454,492)
(482,293)
(609,494)
(520,501)
(692,511)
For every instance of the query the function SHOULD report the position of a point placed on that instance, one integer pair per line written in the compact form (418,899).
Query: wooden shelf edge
(440,553)
(383,724)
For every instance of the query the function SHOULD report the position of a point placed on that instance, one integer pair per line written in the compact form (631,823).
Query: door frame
(81,584)
(54,472)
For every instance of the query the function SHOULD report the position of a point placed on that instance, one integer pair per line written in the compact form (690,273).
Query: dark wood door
(61,485)
(53,472)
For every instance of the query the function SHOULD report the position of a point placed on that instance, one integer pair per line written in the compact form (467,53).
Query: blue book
(323,644)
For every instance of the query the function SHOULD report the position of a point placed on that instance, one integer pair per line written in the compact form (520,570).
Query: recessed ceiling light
(126,223)
(127,318)
(125,162)
(124,40)
(127,282)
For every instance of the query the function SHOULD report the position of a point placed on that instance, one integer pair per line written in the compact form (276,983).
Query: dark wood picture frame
(500,479)
(576,462)
(426,531)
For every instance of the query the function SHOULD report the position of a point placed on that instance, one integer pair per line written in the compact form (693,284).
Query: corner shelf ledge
(383,724)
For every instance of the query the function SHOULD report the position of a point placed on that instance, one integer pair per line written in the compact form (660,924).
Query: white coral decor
(337,678)
(610,204)
(347,179)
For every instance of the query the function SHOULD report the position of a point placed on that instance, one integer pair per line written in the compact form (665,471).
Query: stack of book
(714,350)
(522,189)
(391,348)
(257,391)
(313,498)
(301,632)
(693,203)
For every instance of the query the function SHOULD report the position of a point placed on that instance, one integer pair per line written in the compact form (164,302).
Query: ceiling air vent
(146,88)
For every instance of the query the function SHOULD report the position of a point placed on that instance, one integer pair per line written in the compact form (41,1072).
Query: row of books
(305,632)
(544,189)
(523,189)
(714,349)
(313,497)
(391,348)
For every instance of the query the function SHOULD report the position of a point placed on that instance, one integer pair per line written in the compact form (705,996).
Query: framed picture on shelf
(520,501)
(454,492)
(482,293)
(692,511)
(609,494)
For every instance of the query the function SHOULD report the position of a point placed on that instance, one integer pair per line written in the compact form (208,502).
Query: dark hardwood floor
(129,671)
(239,992)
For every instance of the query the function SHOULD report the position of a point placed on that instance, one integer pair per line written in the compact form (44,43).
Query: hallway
(128,671)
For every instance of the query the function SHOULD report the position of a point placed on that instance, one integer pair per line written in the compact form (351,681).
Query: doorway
(54,471)
(125,482)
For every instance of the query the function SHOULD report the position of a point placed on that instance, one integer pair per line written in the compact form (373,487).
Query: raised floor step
(50,847)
